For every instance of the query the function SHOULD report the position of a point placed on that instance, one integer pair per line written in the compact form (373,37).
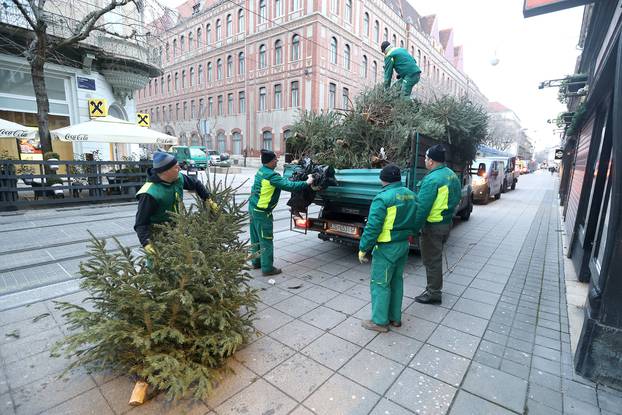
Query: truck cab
(187,156)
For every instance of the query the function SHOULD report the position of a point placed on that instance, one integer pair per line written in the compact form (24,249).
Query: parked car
(510,175)
(521,167)
(189,155)
(213,155)
(487,181)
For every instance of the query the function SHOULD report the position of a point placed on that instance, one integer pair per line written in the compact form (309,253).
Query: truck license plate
(351,230)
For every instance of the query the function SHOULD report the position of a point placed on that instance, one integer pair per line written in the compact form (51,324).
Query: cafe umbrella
(9,129)
(112,130)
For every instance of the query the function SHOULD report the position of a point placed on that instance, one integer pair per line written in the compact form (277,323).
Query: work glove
(212,205)
(310,180)
(149,249)
(363,257)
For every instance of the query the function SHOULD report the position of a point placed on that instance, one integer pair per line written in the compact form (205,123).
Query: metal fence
(26,184)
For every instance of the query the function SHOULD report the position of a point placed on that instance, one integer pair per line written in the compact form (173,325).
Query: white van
(488,175)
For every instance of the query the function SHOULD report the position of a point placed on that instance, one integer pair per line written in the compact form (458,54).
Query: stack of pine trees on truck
(381,127)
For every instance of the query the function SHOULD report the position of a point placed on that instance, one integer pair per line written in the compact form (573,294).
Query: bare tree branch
(24,13)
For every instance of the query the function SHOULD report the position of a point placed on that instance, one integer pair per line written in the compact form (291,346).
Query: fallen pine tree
(378,129)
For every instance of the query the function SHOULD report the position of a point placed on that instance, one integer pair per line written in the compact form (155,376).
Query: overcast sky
(529,51)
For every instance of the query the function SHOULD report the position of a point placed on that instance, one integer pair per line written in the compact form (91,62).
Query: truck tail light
(302,223)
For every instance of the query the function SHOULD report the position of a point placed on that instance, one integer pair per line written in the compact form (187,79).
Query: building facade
(102,66)
(507,126)
(236,74)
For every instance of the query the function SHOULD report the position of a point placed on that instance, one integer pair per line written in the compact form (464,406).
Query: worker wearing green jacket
(389,224)
(398,59)
(264,197)
(437,198)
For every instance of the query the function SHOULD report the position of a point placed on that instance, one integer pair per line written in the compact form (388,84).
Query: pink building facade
(238,73)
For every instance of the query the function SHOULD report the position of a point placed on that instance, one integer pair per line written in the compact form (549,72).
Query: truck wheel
(498,195)
(465,214)
(513,184)
(504,187)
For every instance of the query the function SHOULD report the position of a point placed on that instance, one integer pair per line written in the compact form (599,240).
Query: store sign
(537,7)
(86,83)
(143,119)
(559,154)
(98,107)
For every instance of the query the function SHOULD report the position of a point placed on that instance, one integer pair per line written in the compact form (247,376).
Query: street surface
(498,344)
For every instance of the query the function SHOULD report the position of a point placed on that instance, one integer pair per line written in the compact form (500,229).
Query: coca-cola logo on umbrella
(164,141)
(77,137)
(13,133)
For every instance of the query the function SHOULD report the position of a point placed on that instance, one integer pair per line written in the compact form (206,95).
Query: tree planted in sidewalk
(174,318)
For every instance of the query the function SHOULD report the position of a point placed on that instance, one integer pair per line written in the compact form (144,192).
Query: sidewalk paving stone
(340,395)
(421,393)
(372,370)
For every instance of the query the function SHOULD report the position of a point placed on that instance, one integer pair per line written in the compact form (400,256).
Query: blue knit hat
(163,161)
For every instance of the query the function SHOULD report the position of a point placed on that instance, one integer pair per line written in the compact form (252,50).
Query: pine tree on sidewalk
(175,321)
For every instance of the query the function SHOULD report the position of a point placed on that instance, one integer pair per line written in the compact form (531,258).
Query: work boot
(273,271)
(428,298)
(396,324)
(370,325)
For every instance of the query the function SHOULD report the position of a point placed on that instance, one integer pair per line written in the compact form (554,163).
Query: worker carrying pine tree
(398,59)
(161,194)
(389,224)
(264,198)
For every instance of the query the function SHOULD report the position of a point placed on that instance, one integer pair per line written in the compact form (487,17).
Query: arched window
(237,142)
(229,66)
(155,87)
(200,74)
(209,72)
(208,34)
(394,40)
(278,52)
(364,67)
(278,8)
(183,79)
(263,11)
(348,12)
(162,85)
(334,6)
(278,96)
(346,57)
(219,69)
(218,30)
(176,81)
(386,34)
(182,44)
(191,75)
(168,83)
(241,24)
(295,5)
(366,24)
(295,94)
(229,27)
(174,47)
(262,98)
(199,39)
(374,71)
(401,43)
(190,40)
(150,88)
(333,50)
(376,31)
(295,47)
(221,142)
(241,65)
(167,50)
(267,140)
(262,57)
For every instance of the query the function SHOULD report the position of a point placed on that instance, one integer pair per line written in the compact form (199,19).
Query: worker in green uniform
(398,59)
(389,224)
(161,194)
(264,198)
(437,198)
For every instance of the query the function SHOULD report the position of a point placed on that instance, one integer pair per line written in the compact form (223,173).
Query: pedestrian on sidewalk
(161,194)
(389,224)
(264,197)
(437,199)
(405,66)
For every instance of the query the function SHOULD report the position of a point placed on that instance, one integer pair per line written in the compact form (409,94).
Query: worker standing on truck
(389,224)
(408,72)
(264,197)
(437,199)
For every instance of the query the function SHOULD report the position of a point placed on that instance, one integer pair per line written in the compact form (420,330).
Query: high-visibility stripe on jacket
(391,216)
(438,196)
(267,188)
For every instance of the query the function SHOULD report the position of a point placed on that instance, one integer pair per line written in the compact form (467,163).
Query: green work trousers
(262,239)
(433,238)
(408,82)
(387,282)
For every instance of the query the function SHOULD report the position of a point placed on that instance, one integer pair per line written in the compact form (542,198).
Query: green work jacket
(437,198)
(167,197)
(267,188)
(403,63)
(391,217)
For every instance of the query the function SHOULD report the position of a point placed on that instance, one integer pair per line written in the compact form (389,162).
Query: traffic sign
(143,119)
(98,107)
(559,154)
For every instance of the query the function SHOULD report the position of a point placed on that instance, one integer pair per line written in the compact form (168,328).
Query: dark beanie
(163,161)
(390,174)
(436,153)
(384,45)
(267,156)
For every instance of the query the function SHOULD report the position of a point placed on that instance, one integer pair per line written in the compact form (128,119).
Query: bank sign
(538,7)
